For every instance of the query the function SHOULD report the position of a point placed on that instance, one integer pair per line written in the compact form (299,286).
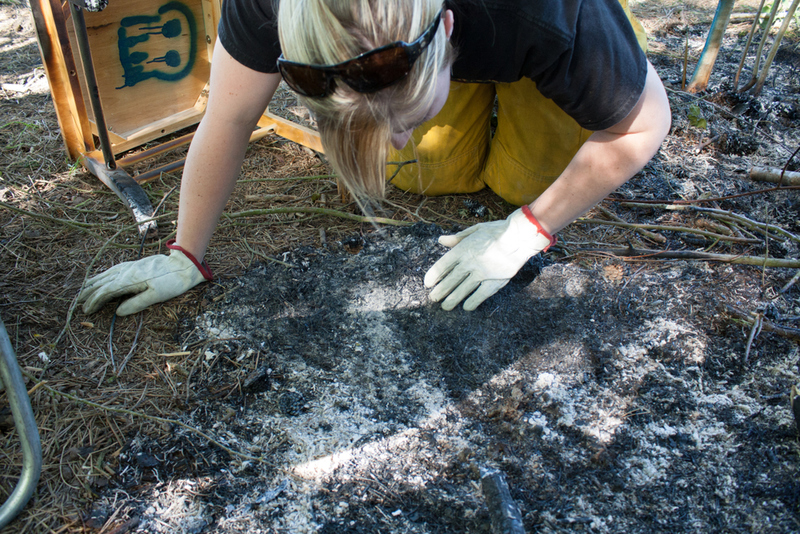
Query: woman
(580,112)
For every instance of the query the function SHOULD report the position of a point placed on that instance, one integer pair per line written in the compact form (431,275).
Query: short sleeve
(599,79)
(248,30)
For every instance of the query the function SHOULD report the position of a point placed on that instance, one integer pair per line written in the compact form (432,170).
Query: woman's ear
(448,23)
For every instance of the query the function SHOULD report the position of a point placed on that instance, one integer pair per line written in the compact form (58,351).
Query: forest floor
(628,380)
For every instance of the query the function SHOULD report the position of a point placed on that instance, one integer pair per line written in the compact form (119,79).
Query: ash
(614,398)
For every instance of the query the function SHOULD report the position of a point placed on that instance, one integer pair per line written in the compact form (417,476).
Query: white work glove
(484,258)
(150,280)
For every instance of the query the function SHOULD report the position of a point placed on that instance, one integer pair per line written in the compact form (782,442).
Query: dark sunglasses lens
(376,70)
(306,81)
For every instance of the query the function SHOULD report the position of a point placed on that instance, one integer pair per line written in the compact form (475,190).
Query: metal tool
(17,395)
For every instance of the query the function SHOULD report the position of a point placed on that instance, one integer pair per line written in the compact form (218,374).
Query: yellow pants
(456,152)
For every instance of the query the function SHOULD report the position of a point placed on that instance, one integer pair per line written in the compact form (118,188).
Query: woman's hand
(484,258)
(150,280)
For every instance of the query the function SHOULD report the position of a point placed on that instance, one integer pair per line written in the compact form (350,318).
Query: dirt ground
(314,387)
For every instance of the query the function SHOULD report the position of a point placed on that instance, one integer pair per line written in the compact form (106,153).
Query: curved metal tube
(11,377)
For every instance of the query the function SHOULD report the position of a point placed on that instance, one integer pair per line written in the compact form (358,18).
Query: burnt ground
(315,388)
(611,406)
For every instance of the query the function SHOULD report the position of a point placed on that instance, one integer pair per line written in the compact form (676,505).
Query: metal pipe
(17,395)
(91,82)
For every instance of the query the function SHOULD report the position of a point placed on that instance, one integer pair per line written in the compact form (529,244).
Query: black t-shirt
(582,54)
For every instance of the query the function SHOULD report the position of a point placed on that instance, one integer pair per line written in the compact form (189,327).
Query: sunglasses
(365,73)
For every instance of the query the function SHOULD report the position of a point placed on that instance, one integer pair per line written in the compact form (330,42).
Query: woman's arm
(607,159)
(237,98)
(486,256)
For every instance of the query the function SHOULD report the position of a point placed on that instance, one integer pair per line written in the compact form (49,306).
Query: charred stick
(768,326)
(503,511)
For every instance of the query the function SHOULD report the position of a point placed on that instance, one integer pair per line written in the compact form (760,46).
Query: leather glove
(150,280)
(484,258)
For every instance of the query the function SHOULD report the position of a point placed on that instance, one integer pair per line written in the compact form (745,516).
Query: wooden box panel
(152,64)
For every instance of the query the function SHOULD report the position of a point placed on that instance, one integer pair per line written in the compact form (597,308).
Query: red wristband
(527,211)
(203,267)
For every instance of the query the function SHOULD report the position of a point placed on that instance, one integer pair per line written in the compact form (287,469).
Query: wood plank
(151,59)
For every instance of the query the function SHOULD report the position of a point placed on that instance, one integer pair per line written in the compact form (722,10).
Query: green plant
(781,11)
(696,118)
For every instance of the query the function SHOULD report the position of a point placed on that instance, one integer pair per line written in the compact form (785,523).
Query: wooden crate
(151,61)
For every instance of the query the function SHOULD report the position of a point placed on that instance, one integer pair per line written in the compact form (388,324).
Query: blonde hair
(356,128)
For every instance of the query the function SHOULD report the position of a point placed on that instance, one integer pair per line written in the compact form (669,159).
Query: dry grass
(58,224)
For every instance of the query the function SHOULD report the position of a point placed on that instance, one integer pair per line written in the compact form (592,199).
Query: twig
(790,283)
(317,211)
(649,235)
(65,222)
(758,323)
(783,331)
(647,254)
(724,214)
(264,256)
(704,233)
(763,228)
(133,346)
(111,342)
(701,145)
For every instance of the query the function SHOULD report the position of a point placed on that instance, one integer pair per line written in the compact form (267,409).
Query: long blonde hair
(356,128)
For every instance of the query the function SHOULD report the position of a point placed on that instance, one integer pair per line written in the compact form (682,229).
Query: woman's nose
(399,140)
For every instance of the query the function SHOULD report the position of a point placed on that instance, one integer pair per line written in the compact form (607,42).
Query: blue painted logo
(171,66)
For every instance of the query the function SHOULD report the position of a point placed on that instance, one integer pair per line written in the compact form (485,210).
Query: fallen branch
(647,254)
(727,215)
(765,325)
(317,211)
(704,233)
(65,222)
(775,176)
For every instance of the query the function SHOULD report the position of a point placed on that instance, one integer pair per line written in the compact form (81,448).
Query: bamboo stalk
(775,45)
(747,45)
(708,56)
(772,14)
